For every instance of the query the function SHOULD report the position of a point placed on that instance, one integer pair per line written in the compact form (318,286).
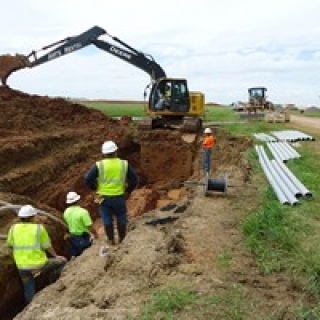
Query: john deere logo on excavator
(68,49)
(120,53)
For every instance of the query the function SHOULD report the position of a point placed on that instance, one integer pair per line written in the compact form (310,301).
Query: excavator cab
(171,105)
(169,95)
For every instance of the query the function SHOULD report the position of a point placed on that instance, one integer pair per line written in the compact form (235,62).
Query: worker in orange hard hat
(208,144)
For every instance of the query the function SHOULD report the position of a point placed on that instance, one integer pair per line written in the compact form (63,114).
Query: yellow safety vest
(112,176)
(28,241)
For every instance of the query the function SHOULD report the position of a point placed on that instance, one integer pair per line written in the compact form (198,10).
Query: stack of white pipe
(264,137)
(292,135)
(282,151)
(286,186)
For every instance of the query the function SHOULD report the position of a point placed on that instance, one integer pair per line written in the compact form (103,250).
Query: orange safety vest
(209,142)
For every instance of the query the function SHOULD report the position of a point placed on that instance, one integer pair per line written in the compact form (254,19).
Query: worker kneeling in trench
(80,226)
(30,244)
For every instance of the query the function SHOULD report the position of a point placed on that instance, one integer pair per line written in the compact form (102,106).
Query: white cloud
(221,47)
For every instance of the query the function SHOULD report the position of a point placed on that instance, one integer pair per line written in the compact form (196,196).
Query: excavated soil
(47,145)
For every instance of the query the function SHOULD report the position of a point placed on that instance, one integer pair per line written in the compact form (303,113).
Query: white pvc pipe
(263,162)
(304,191)
(285,180)
(6,205)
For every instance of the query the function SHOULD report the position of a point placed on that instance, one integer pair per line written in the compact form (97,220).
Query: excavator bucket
(9,64)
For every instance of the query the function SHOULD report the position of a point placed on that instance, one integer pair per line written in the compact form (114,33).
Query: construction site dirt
(47,146)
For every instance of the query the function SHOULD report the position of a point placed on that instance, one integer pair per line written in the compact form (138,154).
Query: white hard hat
(27,211)
(207,130)
(109,147)
(72,197)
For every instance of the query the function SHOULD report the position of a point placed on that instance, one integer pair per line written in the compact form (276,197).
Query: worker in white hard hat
(80,226)
(30,244)
(208,144)
(113,179)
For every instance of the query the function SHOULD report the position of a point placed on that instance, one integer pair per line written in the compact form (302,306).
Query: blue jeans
(110,206)
(207,160)
(79,243)
(27,276)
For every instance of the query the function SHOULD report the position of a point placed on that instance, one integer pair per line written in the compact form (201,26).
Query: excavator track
(191,124)
(145,124)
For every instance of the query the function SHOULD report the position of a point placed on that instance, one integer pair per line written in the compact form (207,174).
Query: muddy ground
(46,147)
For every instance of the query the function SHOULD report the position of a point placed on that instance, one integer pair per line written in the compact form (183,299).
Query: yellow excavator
(169,103)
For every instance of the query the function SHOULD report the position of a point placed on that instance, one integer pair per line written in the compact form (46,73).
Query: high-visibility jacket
(112,176)
(78,219)
(29,242)
(208,142)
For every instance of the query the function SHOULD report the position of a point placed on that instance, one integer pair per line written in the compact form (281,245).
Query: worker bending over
(30,243)
(113,179)
(208,144)
(81,231)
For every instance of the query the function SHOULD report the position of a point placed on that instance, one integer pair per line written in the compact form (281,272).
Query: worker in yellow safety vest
(113,179)
(30,244)
(80,226)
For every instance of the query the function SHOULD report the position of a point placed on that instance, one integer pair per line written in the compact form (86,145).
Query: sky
(222,48)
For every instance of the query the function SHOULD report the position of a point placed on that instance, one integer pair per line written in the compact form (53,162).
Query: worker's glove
(66,236)
(98,199)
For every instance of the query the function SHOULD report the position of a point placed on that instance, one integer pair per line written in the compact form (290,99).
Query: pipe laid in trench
(7,206)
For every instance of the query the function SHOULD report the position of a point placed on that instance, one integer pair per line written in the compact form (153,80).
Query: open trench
(47,145)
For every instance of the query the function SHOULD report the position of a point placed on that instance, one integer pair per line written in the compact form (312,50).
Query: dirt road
(303,122)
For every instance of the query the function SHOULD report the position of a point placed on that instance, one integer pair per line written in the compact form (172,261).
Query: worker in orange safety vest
(208,144)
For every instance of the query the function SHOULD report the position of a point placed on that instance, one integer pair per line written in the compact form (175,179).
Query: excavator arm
(9,64)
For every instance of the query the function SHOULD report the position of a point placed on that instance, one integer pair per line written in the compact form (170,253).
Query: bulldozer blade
(10,64)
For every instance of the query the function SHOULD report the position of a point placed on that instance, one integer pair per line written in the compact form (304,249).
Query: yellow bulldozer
(258,100)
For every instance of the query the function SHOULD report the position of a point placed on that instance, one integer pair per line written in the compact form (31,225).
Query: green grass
(165,302)
(184,303)
(213,113)
(286,238)
(116,109)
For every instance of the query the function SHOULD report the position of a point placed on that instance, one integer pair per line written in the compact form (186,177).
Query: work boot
(110,233)
(122,231)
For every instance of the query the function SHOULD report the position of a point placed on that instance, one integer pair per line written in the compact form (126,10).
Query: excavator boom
(9,64)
